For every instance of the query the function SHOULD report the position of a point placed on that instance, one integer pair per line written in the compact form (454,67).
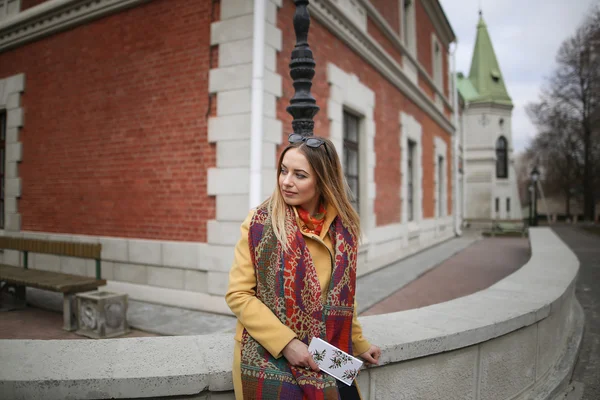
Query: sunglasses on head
(310,141)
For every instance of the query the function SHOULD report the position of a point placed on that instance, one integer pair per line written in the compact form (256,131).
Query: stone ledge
(170,366)
(55,16)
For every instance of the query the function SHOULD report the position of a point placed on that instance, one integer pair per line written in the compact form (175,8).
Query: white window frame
(5,5)
(410,40)
(437,63)
(347,92)
(410,129)
(441,151)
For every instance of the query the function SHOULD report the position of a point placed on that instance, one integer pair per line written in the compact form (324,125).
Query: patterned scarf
(289,286)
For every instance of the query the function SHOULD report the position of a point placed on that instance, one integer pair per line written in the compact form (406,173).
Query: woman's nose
(287,180)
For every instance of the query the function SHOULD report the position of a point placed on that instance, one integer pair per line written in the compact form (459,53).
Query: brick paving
(36,323)
(475,268)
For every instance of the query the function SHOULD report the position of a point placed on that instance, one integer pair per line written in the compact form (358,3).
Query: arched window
(501,158)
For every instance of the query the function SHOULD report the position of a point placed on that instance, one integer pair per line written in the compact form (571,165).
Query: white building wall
(484,125)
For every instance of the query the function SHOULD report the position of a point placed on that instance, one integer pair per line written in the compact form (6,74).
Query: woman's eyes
(299,176)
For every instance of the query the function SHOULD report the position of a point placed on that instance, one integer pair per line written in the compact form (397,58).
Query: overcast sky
(526,35)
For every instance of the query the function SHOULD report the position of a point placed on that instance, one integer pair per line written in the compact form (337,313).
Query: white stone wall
(230,129)
(10,101)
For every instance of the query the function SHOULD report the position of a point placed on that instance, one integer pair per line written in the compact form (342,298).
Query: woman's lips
(286,193)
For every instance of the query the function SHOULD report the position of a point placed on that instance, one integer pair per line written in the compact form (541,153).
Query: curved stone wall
(517,339)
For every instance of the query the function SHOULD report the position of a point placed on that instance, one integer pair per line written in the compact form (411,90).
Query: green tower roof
(485,76)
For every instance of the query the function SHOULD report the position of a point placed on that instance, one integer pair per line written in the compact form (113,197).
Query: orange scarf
(314,223)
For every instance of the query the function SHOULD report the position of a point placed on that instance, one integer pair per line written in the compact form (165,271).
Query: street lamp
(535,175)
(530,196)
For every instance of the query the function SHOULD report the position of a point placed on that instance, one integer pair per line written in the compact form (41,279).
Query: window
(437,63)
(407,24)
(508,205)
(501,158)
(497,204)
(351,157)
(441,186)
(2,162)
(9,8)
(410,177)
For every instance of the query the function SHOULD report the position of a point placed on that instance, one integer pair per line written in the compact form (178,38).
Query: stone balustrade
(517,339)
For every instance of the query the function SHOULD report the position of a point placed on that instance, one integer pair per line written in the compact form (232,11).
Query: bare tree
(568,116)
(556,150)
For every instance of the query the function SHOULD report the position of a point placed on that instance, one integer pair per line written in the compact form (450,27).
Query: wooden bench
(16,279)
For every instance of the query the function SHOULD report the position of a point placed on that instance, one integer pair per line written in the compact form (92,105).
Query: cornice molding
(394,37)
(438,17)
(327,13)
(54,16)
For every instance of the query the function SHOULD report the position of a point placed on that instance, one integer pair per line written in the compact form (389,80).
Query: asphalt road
(587,248)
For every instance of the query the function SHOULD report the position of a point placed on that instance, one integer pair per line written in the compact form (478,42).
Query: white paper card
(334,361)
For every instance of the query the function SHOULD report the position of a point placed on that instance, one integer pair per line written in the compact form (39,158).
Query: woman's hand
(372,355)
(296,352)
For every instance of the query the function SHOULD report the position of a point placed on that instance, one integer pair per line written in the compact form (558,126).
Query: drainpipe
(455,143)
(256,113)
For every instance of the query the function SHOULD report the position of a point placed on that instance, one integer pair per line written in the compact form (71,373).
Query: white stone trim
(192,300)
(377,56)
(411,130)
(441,150)
(354,11)
(411,41)
(348,92)
(9,8)
(437,71)
(55,16)
(10,100)
(231,81)
(159,253)
(410,62)
(152,264)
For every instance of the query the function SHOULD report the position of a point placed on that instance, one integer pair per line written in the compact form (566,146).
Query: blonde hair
(331,186)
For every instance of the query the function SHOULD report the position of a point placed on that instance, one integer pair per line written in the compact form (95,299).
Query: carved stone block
(102,314)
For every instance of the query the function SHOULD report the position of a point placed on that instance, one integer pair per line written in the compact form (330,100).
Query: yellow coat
(256,317)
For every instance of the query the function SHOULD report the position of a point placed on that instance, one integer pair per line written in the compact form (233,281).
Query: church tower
(491,190)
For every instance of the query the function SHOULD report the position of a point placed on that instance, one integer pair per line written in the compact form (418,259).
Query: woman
(294,278)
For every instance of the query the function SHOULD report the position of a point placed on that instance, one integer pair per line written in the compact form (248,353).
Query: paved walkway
(477,267)
(378,285)
(587,248)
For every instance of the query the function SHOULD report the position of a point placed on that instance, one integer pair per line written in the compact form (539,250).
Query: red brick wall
(115,131)
(389,102)
(390,10)
(425,29)
(25,4)
(377,34)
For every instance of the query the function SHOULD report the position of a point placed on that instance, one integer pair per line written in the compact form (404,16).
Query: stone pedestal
(102,314)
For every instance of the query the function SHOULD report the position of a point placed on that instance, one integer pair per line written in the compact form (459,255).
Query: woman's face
(297,181)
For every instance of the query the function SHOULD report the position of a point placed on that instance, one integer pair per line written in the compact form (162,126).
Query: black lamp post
(303,106)
(535,175)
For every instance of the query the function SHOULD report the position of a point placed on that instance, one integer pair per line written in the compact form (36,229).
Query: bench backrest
(82,250)
(68,249)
